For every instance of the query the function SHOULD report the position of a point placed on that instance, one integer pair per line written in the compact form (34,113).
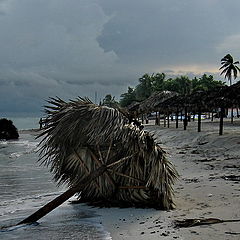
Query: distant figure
(7,130)
(41,123)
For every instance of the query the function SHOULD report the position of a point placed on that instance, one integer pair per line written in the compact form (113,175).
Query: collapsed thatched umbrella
(80,138)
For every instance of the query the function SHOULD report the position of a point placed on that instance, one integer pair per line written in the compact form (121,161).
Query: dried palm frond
(80,136)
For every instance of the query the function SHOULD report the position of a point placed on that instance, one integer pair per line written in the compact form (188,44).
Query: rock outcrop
(8,130)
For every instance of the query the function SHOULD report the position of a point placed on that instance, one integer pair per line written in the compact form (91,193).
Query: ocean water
(25,186)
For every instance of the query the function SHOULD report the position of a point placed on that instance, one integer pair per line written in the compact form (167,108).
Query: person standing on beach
(41,123)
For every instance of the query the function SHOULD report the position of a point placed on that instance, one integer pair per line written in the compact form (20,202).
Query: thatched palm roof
(232,95)
(134,106)
(172,104)
(153,102)
(81,136)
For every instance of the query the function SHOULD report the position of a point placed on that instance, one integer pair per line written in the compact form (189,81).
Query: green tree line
(149,84)
(158,82)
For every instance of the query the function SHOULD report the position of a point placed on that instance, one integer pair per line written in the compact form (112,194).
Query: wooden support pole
(177,119)
(83,164)
(159,117)
(232,115)
(63,197)
(221,121)
(100,163)
(156,119)
(185,122)
(164,119)
(168,119)
(199,119)
(146,118)
(194,116)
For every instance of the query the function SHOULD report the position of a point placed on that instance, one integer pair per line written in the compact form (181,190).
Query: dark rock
(164,234)
(8,130)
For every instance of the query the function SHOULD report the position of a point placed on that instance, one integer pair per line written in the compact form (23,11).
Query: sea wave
(25,147)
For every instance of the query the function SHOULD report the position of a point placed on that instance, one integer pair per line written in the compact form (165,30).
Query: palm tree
(229,67)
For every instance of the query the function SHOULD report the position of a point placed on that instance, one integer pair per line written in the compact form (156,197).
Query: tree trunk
(63,197)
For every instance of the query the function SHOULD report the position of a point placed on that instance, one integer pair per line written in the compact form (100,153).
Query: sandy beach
(208,187)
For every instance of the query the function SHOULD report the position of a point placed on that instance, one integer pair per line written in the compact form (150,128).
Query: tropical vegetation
(148,84)
(229,67)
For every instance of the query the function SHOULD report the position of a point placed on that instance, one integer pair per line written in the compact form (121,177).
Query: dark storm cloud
(79,47)
(168,32)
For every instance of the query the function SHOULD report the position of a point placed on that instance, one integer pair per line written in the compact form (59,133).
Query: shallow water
(25,186)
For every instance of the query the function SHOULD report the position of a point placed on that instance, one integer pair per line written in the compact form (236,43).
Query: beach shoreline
(204,161)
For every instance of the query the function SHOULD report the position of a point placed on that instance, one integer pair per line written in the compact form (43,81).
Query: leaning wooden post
(199,119)
(221,121)
(63,197)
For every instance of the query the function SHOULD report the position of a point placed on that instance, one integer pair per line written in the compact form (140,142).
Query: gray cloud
(168,32)
(72,48)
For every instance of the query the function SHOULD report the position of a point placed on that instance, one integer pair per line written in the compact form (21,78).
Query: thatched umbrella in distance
(151,104)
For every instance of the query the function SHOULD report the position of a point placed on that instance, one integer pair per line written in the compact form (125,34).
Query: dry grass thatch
(80,136)
(152,103)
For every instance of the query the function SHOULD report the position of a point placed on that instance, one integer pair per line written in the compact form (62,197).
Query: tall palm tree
(229,67)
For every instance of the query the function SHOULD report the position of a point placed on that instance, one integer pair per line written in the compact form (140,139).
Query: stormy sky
(71,48)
